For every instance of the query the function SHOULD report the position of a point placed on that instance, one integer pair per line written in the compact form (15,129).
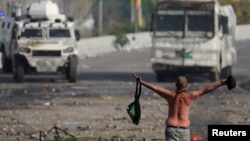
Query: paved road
(108,76)
(118,66)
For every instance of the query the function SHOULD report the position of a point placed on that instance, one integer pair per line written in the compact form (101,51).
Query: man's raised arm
(208,89)
(160,91)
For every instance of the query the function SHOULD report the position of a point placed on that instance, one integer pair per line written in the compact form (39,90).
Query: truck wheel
(19,70)
(6,63)
(160,77)
(71,72)
(225,72)
(214,76)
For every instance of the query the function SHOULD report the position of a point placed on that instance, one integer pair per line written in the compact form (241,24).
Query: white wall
(242,32)
(90,47)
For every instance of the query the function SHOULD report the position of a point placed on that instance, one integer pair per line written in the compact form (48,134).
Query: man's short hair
(181,83)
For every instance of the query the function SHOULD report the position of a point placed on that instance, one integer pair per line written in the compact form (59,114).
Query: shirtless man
(179,101)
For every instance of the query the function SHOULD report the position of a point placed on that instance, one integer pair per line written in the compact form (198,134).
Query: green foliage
(119,27)
(121,40)
(114,11)
(242,10)
(120,30)
(117,14)
(147,8)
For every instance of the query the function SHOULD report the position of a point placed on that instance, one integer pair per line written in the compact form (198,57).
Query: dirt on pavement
(97,111)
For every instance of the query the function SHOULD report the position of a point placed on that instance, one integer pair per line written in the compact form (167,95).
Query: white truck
(193,37)
(37,39)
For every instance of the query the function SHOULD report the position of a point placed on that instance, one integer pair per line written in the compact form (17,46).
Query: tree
(242,9)
(114,11)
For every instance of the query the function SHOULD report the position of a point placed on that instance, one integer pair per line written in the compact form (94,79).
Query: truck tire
(214,76)
(160,76)
(19,70)
(225,72)
(6,63)
(71,72)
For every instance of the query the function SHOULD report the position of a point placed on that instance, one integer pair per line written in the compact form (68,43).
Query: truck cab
(193,37)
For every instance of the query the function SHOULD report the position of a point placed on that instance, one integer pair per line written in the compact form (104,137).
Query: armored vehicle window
(3,25)
(59,33)
(31,33)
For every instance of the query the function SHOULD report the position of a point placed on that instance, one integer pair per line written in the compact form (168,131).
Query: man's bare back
(179,106)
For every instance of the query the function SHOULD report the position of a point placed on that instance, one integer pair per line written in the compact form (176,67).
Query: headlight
(69,49)
(24,49)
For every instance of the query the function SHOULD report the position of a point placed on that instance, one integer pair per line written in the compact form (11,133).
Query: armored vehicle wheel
(6,63)
(19,70)
(71,72)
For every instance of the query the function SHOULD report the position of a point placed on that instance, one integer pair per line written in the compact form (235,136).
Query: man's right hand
(136,76)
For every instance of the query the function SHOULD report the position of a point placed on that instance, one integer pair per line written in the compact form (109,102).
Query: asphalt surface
(105,82)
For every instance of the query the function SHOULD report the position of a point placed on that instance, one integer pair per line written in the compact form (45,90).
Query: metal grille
(46,53)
